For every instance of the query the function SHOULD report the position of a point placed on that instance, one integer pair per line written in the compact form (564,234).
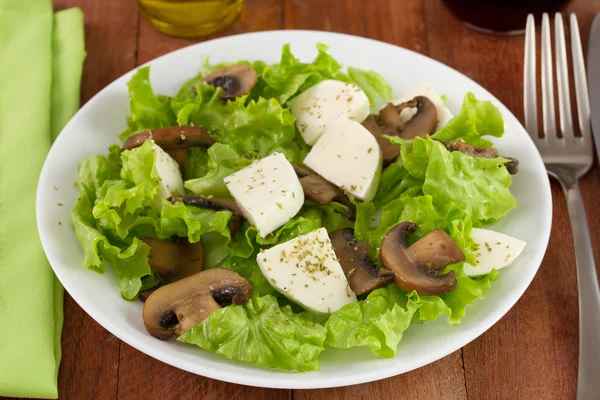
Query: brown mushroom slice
(437,250)
(423,122)
(179,306)
(172,260)
(175,140)
(410,273)
(172,138)
(175,259)
(215,203)
(512,166)
(363,274)
(236,80)
(318,190)
(389,123)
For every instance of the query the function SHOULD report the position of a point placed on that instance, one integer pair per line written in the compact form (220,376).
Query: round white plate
(98,123)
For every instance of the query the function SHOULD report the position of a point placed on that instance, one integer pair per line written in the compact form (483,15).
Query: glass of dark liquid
(501,17)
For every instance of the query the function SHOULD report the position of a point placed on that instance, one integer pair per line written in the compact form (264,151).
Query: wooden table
(531,353)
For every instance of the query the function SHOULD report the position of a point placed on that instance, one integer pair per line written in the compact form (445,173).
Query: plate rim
(282,383)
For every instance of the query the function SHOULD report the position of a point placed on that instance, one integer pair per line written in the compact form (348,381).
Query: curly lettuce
(261,332)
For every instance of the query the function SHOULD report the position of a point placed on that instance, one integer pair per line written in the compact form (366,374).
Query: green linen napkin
(41,57)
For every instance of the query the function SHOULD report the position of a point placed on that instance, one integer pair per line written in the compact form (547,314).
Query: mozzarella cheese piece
(268,192)
(443,113)
(306,270)
(348,156)
(316,108)
(496,251)
(170,182)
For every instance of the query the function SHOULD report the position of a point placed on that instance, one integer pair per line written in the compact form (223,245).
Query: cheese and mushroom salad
(268,211)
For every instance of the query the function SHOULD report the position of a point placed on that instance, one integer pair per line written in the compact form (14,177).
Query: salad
(268,212)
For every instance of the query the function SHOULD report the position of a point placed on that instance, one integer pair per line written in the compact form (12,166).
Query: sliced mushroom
(236,80)
(412,273)
(363,274)
(320,191)
(172,260)
(437,250)
(215,203)
(179,306)
(177,260)
(175,140)
(512,166)
(389,123)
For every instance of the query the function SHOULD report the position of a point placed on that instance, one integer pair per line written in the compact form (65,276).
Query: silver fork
(567,159)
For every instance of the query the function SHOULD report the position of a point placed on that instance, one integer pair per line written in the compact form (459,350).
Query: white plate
(98,123)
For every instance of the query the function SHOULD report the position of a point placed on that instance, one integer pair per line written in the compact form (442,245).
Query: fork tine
(549,116)
(562,79)
(529,81)
(581,87)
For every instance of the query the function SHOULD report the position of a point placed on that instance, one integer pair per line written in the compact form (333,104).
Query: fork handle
(588,378)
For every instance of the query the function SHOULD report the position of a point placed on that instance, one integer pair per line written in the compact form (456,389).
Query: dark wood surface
(531,353)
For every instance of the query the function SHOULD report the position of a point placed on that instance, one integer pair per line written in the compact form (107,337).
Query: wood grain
(531,353)
(258,15)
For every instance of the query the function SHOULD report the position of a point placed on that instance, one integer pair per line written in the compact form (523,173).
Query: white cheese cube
(348,156)
(306,270)
(443,113)
(317,107)
(496,251)
(268,192)
(170,182)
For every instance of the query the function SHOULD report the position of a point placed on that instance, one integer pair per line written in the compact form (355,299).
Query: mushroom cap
(411,274)
(215,203)
(172,138)
(236,80)
(363,274)
(388,122)
(423,122)
(179,306)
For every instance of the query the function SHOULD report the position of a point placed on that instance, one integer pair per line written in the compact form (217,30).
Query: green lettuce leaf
(262,332)
(310,217)
(196,163)
(148,110)
(192,222)
(454,304)
(372,83)
(479,186)
(475,119)
(249,269)
(253,128)
(377,322)
(121,204)
(130,262)
(290,76)
(222,161)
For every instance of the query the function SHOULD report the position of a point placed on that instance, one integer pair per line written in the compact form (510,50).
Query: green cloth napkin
(41,57)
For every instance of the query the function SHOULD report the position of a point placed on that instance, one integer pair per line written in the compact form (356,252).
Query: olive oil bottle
(190,18)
